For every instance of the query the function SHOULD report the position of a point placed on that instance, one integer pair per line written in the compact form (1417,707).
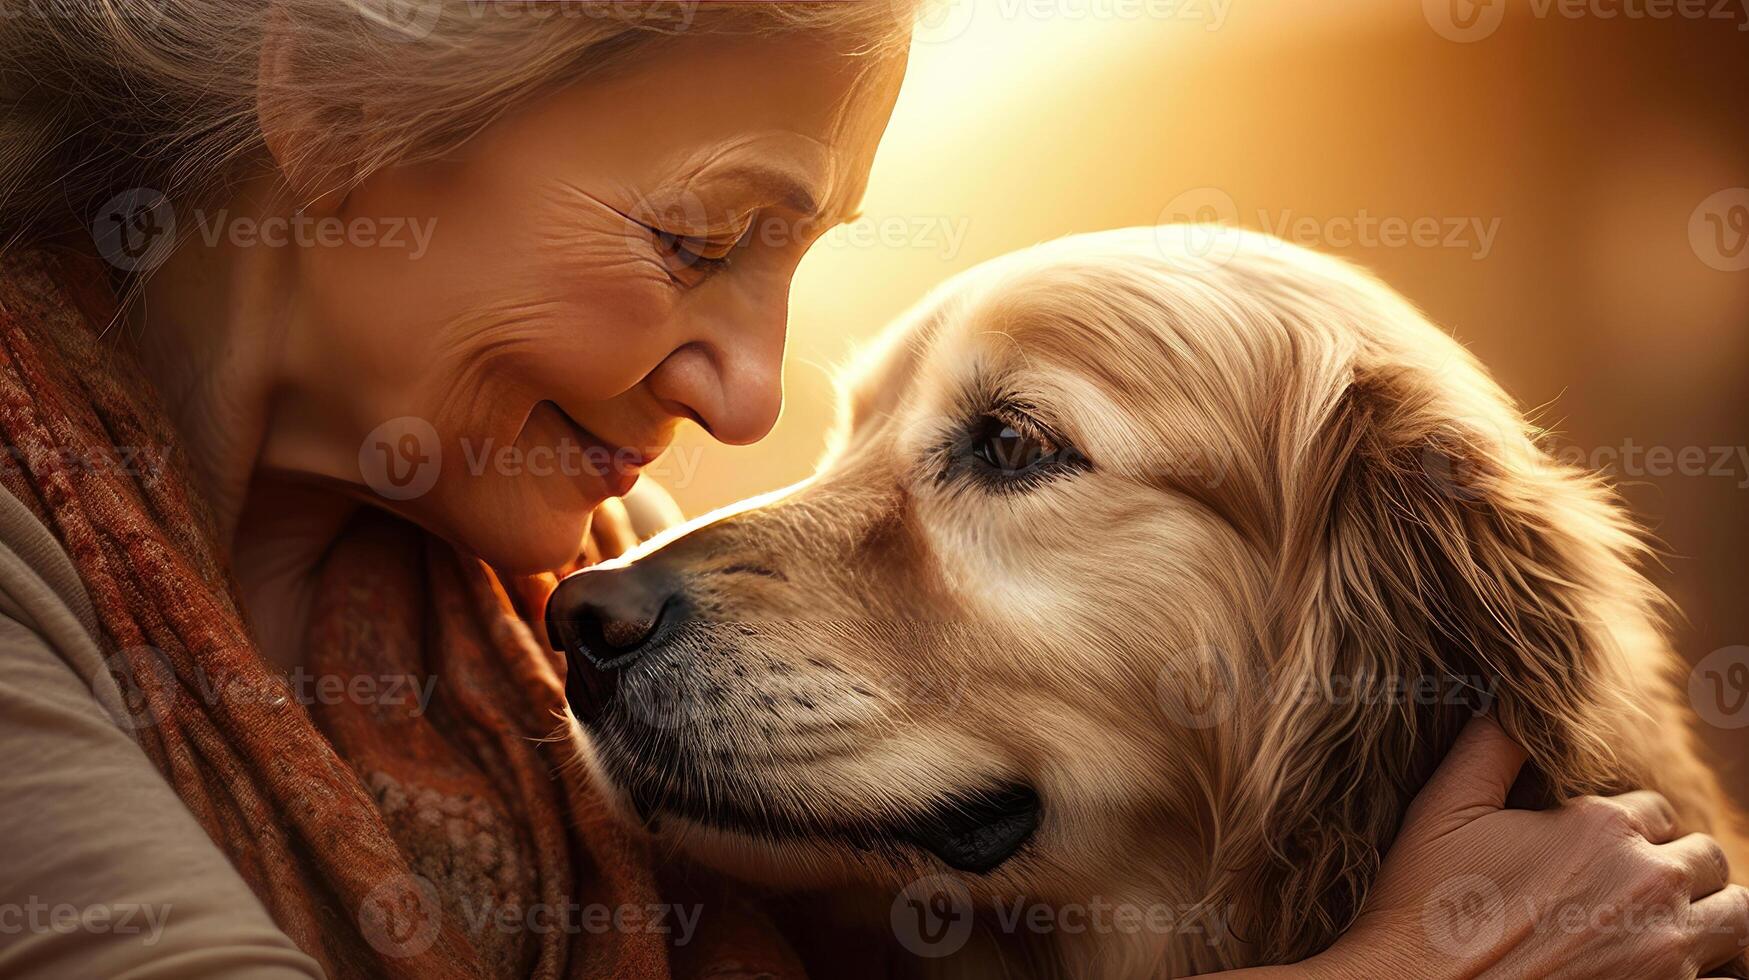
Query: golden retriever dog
(1150,569)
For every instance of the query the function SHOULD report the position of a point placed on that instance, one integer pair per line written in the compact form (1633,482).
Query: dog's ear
(1440,564)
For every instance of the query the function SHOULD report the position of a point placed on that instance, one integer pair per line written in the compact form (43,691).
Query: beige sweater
(103,871)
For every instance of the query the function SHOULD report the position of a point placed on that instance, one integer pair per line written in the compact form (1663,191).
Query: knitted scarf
(405,804)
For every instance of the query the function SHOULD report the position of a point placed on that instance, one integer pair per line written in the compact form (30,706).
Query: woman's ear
(307,139)
(1442,565)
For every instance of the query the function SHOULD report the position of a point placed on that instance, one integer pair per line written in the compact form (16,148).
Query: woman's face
(570,285)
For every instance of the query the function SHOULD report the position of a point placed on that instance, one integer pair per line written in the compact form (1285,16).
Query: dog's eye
(1006,450)
(1011,446)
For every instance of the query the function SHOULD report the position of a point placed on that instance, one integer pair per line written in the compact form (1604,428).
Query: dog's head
(1131,572)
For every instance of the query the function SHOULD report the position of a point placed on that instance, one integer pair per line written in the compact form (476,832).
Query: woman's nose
(732,383)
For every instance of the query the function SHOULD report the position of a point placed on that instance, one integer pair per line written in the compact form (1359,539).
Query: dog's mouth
(970,830)
(973,831)
(976,833)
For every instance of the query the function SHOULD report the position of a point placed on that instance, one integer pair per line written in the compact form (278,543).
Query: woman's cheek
(509,488)
(609,335)
(516,505)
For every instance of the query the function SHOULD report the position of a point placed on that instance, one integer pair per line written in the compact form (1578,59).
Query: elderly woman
(329,330)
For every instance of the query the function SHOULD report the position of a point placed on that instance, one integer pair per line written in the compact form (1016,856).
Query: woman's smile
(596,462)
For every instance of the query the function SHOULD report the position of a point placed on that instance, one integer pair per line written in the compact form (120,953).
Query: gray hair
(101,96)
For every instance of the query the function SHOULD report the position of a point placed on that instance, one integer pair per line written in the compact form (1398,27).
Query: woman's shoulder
(41,592)
(92,830)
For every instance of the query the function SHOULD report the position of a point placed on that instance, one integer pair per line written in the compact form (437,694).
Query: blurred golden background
(1588,175)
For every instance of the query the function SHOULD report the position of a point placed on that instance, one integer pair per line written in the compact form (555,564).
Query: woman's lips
(616,466)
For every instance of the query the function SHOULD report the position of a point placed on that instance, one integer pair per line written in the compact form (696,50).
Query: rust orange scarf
(439,833)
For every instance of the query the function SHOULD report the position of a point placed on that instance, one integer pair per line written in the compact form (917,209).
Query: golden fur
(1311,537)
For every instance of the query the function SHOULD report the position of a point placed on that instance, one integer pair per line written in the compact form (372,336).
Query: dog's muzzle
(609,620)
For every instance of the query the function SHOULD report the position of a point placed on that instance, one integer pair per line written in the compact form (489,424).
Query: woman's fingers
(1708,868)
(1721,921)
(1649,813)
(1474,777)
(611,529)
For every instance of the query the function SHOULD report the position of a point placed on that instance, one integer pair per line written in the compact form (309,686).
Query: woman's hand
(1601,887)
(620,524)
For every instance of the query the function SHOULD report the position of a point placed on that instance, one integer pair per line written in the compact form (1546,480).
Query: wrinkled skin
(600,264)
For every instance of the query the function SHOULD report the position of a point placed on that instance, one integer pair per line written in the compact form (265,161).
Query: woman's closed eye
(691,259)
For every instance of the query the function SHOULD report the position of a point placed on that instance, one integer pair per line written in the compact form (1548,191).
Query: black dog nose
(607,615)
